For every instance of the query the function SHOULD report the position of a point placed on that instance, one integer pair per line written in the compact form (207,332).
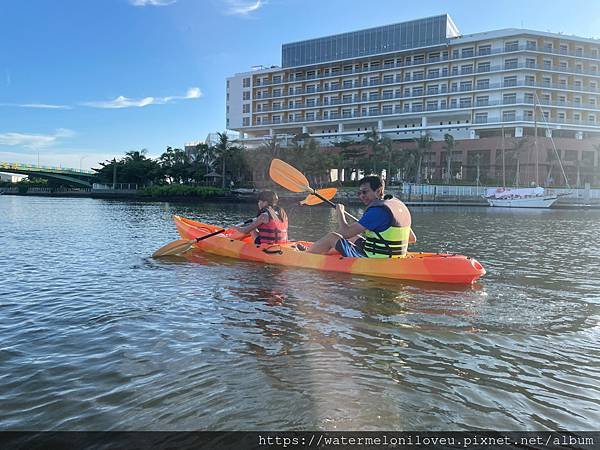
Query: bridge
(72,177)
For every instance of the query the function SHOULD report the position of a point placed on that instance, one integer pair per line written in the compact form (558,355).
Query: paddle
(292,179)
(181,245)
(327,193)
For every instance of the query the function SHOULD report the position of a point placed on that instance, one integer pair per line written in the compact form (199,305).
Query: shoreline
(424,201)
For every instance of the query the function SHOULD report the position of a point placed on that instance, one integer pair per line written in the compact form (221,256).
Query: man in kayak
(270,226)
(385,226)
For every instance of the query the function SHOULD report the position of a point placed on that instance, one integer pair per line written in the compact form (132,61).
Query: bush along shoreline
(181,190)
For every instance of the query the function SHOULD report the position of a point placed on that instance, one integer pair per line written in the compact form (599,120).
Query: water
(95,335)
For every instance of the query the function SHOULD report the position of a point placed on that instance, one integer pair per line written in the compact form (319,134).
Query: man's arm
(412,238)
(346,230)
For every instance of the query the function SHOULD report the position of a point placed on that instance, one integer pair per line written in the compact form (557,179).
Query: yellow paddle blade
(174,248)
(289,177)
(327,193)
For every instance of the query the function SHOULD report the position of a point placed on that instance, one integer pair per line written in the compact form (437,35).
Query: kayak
(416,266)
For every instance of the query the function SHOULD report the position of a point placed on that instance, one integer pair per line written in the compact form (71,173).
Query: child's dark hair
(268,196)
(373,180)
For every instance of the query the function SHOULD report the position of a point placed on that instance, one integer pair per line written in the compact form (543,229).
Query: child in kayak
(270,226)
(386,226)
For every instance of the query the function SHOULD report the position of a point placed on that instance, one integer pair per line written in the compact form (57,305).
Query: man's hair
(373,180)
(268,196)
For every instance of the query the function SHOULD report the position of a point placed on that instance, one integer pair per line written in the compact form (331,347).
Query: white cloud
(34,140)
(152,2)
(36,105)
(242,7)
(124,102)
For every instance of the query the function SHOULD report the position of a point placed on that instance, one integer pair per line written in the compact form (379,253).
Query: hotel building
(423,76)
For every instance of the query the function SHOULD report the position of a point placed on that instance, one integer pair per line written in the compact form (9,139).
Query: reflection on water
(96,335)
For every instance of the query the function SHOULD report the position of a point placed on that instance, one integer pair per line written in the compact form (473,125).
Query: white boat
(520,198)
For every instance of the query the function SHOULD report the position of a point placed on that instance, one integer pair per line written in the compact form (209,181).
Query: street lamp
(81,160)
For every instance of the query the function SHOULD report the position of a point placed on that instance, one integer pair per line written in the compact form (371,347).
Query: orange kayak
(432,267)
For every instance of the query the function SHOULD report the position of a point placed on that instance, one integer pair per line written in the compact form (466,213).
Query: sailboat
(535,197)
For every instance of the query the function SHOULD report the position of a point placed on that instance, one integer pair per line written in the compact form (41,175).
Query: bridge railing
(38,168)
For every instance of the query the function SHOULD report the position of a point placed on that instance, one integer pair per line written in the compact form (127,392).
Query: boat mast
(503,165)
(535,143)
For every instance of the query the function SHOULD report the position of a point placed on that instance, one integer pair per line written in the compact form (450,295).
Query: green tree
(449,147)
(423,145)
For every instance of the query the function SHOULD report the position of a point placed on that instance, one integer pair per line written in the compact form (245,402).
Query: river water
(96,335)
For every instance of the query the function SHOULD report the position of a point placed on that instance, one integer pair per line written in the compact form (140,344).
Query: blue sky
(82,81)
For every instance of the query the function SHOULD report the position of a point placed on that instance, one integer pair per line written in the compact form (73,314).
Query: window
(465,102)
(483,100)
(485,49)
(246,95)
(246,82)
(483,67)
(511,63)
(483,84)
(467,52)
(511,46)
(276,92)
(563,48)
(510,81)
(431,90)
(466,68)
(466,86)
(481,117)
(509,99)
(246,108)
(529,80)
(432,105)
(418,75)
(531,45)
(548,47)
(530,63)
(246,121)
(509,116)
(528,115)
(277,79)
(433,73)
(547,64)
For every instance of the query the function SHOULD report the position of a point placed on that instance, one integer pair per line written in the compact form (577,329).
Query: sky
(83,81)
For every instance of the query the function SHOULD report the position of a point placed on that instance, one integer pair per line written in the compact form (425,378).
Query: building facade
(424,77)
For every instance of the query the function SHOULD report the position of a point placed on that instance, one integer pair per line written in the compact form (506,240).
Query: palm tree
(221,150)
(373,142)
(423,144)
(449,147)
(351,153)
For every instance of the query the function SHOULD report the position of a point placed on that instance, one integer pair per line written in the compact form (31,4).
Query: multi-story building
(405,80)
